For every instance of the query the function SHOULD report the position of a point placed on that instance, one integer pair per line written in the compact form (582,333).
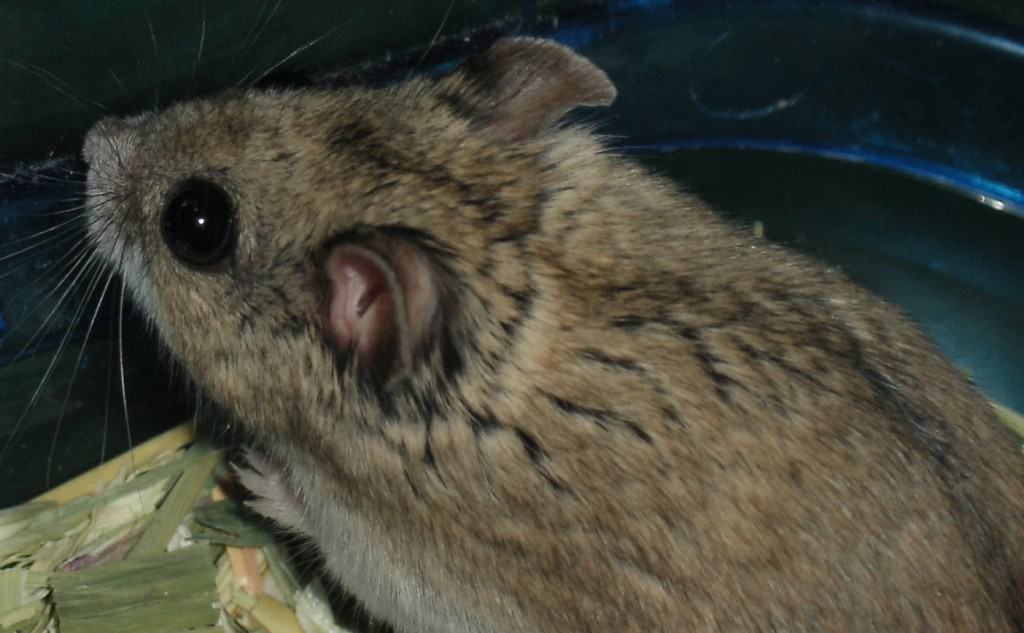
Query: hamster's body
(584,402)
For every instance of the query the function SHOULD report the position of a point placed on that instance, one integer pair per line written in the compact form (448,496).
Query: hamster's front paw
(275,497)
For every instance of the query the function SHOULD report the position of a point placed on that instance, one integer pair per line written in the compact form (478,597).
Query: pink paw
(275,498)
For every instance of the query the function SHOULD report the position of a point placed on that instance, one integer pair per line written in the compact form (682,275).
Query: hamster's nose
(109,139)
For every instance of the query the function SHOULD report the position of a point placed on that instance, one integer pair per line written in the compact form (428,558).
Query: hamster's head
(317,255)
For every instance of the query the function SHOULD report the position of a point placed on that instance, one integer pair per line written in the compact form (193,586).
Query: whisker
(33,178)
(64,211)
(106,396)
(43,250)
(34,400)
(34,339)
(78,361)
(433,40)
(65,225)
(121,85)
(55,82)
(262,28)
(244,46)
(120,350)
(287,58)
(124,385)
(32,252)
(156,59)
(199,53)
(50,270)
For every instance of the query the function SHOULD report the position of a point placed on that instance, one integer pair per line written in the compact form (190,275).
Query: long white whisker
(433,40)
(77,208)
(34,339)
(262,27)
(244,47)
(55,269)
(124,384)
(199,53)
(287,58)
(55,82)
(78,361)
(37,234)
(33,178)
(41,246)
(156,60)
(106,395)
(120,84)
(43,249)
(35,394)
(120,349)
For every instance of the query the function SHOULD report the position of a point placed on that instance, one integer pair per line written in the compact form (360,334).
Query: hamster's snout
(108,140)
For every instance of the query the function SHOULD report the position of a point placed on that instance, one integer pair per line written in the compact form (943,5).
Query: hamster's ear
(521,85)
(382,303)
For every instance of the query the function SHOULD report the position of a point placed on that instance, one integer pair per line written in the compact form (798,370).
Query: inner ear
(521,85)
(381,304)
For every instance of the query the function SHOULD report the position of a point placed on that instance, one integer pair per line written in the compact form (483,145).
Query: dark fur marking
(428,451)
(616,291)
(342,360)
(538,456)
(625,364)
(374,390)
(602,418)
(522,298)
(296,325)
(344,137)
(557,486)
(491,217)
(702,352)
(290,327)
(530,444)
(482,423)
(459,106)
(426,405)
(282,157)
(932,435)
(408,480)
(481,74)
(641,434)
(708,362)
(776,360)
(452,362)
(246,322)
(518,236)
(486,201)
(380,187)
(632,323)
(359,140)
(598,356)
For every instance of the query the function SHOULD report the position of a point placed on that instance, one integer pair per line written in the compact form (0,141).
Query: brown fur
(634,417)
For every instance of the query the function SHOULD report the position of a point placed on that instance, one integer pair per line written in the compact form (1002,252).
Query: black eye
(198,223)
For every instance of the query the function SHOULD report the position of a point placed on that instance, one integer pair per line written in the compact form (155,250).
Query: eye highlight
(198,224)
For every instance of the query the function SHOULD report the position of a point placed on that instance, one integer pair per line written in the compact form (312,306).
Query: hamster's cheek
(116,243)
(143,292)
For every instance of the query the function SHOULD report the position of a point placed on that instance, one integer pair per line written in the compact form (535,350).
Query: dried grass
(149,543)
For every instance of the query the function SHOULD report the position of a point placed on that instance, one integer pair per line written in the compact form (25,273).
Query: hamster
(508,381)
